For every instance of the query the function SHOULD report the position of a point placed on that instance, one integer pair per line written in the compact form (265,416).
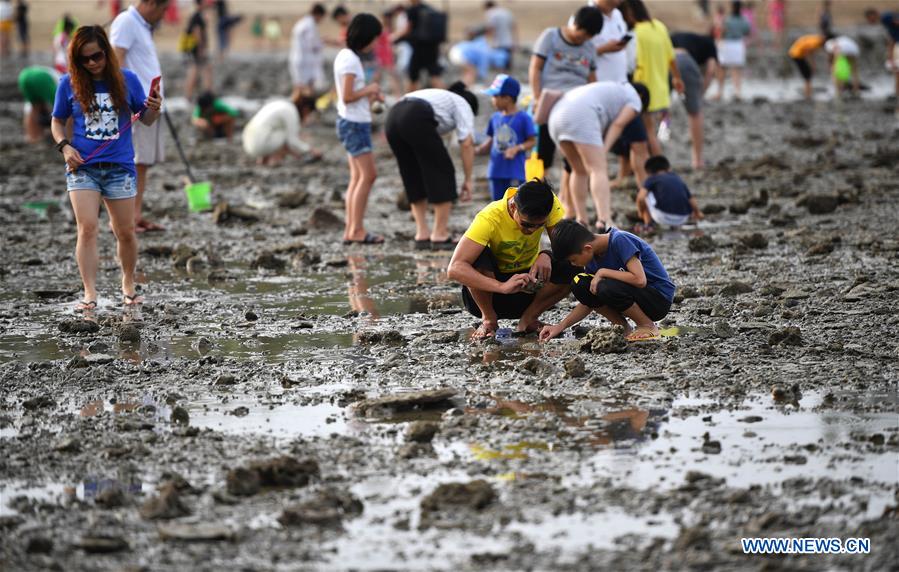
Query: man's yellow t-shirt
(495,228)
(805,45)
(654,56)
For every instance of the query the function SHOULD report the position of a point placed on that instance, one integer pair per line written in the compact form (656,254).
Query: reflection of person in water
(360,301)
(631,424)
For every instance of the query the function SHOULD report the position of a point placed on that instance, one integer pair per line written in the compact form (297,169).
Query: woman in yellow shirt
(655,59)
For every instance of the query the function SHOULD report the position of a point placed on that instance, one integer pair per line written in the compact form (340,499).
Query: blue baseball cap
(504,84)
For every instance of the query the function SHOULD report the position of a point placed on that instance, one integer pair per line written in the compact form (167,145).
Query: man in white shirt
(611,57)
(502,29)
(305,60)
(132,37)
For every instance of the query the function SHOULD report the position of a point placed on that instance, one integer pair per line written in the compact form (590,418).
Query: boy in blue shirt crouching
(624,279)
(510,134)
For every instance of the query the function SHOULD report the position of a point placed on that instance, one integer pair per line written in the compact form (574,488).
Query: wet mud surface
(284,402)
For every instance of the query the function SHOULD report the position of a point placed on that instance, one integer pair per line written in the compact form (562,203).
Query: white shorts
(149,147)
(661,217)
(732,53)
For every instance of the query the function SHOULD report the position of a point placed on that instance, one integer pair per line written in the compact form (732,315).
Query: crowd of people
(601,81)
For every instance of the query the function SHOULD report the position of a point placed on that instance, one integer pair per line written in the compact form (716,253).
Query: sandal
(423,244)
(146,226)
(86,306)
(133,299)
(483,332)
(369,239)
(643,335)
(448,244)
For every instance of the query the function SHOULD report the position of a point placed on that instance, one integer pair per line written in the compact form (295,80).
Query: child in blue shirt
(624,279)
(665,198)
(510,134)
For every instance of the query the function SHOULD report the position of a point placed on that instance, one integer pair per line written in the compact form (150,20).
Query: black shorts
(512,306)
(425,165)
(804,68)
(425,57)
(634,132)
(620,296)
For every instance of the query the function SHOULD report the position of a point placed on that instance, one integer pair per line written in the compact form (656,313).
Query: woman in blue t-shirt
(101,98)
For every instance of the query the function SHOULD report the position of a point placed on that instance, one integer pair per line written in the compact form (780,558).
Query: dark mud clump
(703,243)
(789,336)
(165,505)
(79,327)
(475,495)
(604,341)
(422,431)
(389,404)
(327,508)
(283,472)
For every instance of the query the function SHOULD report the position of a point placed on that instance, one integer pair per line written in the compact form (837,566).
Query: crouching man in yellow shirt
(504,274)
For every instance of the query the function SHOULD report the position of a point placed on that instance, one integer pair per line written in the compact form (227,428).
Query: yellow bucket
(533,167)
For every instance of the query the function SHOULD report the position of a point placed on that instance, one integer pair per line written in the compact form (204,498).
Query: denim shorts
(111,180)
(356,137)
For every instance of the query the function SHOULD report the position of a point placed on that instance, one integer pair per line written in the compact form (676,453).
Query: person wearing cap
(511,133)
(415,128)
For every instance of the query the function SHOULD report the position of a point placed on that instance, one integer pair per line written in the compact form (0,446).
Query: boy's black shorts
(620,296)
(512,306)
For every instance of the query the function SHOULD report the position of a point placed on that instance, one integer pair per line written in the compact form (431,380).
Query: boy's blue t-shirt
(671,193)
(622,247)
(508,131)
(102,124)
(887,19)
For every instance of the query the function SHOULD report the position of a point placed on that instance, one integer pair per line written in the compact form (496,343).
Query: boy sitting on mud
(624,279)
(664,198)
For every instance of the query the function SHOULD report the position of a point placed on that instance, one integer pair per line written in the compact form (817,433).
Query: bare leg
(566,193)
(86,206)
(365,165)
(615,317)
(649,120)
(545,299)
(484,301)
(639,153)
(120,214)
(141,187)
(441,220)
(720,73)
(348,200)
(736,75)
(190,82)
(577,182)
(420,214)
(642,321)
(696,137)
(594,159)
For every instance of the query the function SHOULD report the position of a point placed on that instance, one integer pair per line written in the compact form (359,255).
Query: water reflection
(621,427)
(360,301)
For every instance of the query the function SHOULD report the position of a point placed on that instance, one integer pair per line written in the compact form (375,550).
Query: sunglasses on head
(95,57)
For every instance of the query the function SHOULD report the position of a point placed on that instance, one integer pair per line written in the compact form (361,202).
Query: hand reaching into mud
(549,332)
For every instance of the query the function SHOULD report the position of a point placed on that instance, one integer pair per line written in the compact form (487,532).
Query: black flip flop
(423,244)
(86,306)
(448,244)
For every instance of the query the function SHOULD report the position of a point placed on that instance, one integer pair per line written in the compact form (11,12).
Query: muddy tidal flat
(284,402)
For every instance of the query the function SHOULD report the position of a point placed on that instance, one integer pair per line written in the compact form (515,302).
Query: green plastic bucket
(842,69)
(198,196)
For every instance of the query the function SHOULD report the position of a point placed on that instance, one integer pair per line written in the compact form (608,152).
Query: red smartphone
(154,85)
